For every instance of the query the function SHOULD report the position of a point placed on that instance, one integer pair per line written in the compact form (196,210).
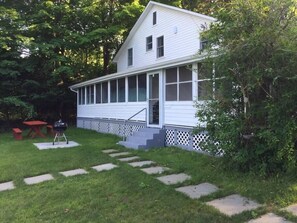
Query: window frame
(149,44)
(154,18)
(130,57)
(178,83)
(160,47)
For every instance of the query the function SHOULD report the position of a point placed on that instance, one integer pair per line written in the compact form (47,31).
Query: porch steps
(145,138)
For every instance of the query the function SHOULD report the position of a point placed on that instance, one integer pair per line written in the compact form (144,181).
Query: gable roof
(146,12)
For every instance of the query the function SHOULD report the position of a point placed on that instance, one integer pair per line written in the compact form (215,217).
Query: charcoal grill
(59,128)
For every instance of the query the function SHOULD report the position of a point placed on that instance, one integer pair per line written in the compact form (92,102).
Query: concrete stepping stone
(73,172)
(7,186)
(109,150)
(38,179)
(119,154)
(269,218)
(155,170)
(234,204)
(141,163)
(197,191)
(128,159)
(174,178)
(106,166)
(292,209)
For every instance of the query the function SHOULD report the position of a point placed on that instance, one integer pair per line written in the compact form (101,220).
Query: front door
(153,100)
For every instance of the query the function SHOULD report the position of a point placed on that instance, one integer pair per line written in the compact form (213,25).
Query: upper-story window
(160,46)
(130,56)
(154,18)
(149,43)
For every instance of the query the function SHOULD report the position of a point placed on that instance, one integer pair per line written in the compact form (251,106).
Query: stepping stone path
(292,209)
(73,172)
(128,159)
(269,218)
(109,150)
(106,166)
(155,170)
(7,186)
(119,154)
(197,191)
(38,179)
(234,204)
(174,178)
(141,163)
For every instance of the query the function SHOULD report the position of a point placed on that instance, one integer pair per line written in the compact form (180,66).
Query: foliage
(13,107)
(256,48)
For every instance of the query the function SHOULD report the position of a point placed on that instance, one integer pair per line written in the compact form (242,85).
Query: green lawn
(124,194)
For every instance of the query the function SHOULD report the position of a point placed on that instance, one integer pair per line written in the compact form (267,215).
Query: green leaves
(258,54)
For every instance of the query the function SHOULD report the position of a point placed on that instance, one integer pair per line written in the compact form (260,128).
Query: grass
(124,194)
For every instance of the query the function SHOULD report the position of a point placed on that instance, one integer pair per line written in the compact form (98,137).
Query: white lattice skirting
(175,136)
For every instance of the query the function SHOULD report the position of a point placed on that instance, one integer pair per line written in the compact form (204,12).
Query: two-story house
(157,80)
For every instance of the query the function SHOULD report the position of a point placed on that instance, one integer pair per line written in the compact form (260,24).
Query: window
(121,90)
(154,18)
(160,46)
(113,91)
(90,94)
(105,92)
(141,87)
(205,81)
(130,57)
(179,84)
(149,43)
(81,96)
(98,93)
(117,90)
(137,88)
(132,89)
(203,44)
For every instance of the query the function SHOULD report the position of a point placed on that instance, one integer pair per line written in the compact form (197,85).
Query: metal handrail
(125,121)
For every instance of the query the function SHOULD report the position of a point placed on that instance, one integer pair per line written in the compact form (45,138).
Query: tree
(256,50)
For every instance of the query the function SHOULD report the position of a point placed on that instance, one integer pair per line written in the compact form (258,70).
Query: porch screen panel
(105,92)
(121,90)
(171,84)
(82,96)
(90,94)
(98,94)
(113,91)
(142,87)
(132,91)
(185,84)
(205,81)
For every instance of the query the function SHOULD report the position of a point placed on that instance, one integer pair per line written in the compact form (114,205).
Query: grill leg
(58,136)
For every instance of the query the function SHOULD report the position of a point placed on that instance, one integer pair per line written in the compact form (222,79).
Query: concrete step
(145,138)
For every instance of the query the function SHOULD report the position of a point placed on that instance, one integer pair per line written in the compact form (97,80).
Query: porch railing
(125,123)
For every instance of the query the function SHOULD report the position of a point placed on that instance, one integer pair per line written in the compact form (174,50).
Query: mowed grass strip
(123,194)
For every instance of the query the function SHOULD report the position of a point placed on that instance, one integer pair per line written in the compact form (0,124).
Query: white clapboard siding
(181,38)
(112,110)
(180,113)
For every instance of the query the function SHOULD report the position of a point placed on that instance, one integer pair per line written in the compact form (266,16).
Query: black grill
(59,128)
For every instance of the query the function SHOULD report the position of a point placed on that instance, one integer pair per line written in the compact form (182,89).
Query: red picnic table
(35,128)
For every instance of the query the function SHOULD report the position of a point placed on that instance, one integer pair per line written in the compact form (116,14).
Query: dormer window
(154,18)
(130,56)
(149,43)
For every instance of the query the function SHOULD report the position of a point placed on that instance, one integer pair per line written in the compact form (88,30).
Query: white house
(157,79)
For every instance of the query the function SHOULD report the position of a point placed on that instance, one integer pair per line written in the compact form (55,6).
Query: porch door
(153,100)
